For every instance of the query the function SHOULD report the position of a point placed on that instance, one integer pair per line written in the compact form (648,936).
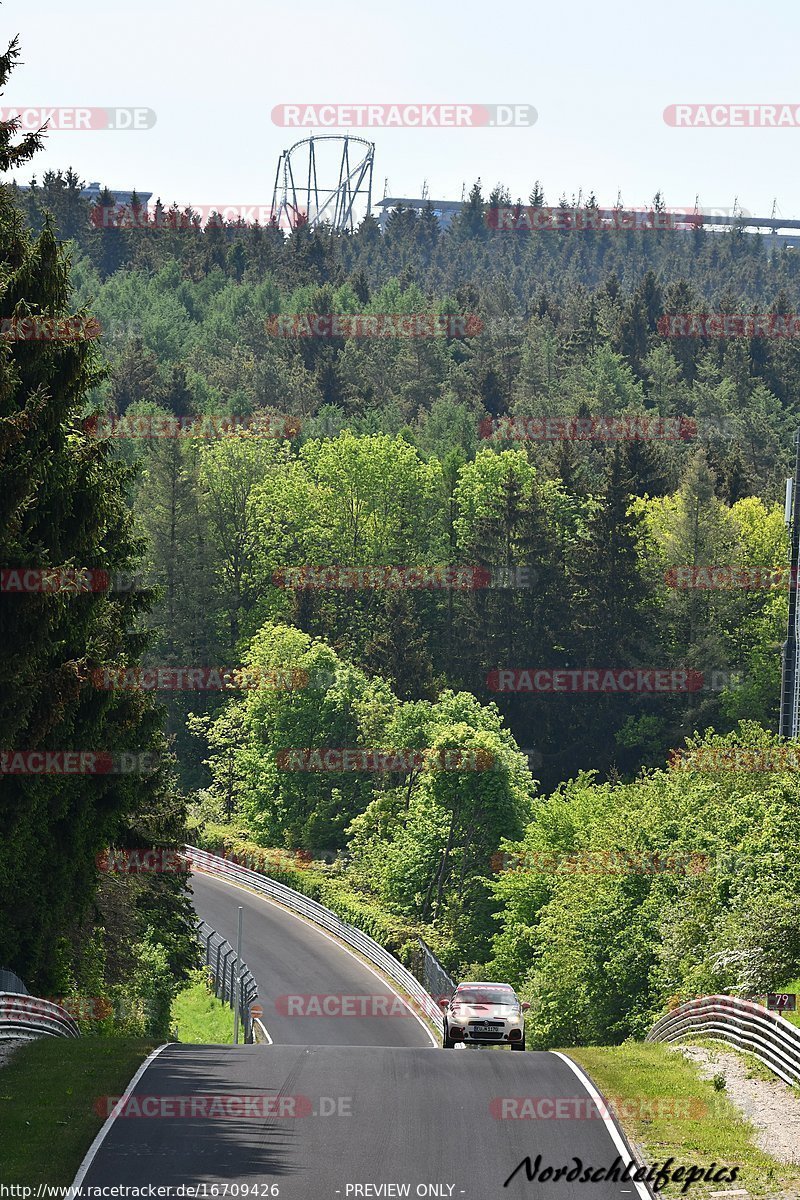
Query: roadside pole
(237,994)
(789,675)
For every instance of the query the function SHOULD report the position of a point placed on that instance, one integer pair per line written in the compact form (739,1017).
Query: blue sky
(599,76)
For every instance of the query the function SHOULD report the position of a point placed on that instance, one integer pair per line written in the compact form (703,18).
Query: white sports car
(485,1013)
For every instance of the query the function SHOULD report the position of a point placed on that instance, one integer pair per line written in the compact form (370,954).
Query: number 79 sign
(782,1001)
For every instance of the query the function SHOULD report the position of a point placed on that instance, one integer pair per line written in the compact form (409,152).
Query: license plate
(483,1029)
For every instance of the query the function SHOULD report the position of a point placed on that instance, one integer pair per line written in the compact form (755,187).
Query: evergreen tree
(135,376)
(471,221)
(62,506)
(612,591)
(400,651)
(647,466)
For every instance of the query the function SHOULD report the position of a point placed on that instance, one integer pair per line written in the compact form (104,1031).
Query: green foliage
(64,506)
(419,838)
(397,461)
(314,881)
(198,1016)
(681,883)
(157,986)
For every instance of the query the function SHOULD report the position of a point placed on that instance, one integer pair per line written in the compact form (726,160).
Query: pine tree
(492,393)
(400,651)
(135,377)
(568,467)
(612,591)
(471,221)
(488,612)
(360,285)
(178,396)
(111,246)
(62,505)
(613,627)
(543,622)
(633,333)
(536,198)
(648,468)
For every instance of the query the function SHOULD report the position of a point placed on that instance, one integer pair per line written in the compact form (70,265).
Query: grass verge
(199,1016)
(48,1093)
(665,1106)
(754,1067)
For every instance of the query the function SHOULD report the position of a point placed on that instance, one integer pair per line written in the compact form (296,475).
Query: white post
(238,990)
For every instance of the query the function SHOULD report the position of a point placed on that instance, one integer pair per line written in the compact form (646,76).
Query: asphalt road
(336,1117)
(300,969)
(347,1107)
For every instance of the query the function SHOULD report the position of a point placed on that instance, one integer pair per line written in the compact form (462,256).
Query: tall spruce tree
(612,591)
(62,506)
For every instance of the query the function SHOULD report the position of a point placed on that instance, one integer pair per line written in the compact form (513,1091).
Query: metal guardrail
(356,938)
(23,1018)
(434,977)
(221,961)
(9,982)
(748,1026)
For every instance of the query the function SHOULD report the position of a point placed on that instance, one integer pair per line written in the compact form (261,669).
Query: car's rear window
(485,996)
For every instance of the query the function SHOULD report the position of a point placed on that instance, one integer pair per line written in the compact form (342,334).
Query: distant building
(783,231)
(93,191)
(443,210)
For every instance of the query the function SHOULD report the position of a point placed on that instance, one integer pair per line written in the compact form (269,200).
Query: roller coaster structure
(299,199)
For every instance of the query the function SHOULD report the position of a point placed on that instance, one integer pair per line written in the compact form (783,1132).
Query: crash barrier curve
(366,946)
(742,1023)
(24,1017)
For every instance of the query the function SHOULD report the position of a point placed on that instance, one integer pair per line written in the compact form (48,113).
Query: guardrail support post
(237,993)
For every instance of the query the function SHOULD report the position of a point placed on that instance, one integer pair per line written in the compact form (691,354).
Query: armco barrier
(221,961)
(746,1025)
(23,1018)
(9,982)
(434,976)
(376,954)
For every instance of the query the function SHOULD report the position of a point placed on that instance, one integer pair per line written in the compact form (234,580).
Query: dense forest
(404,452)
